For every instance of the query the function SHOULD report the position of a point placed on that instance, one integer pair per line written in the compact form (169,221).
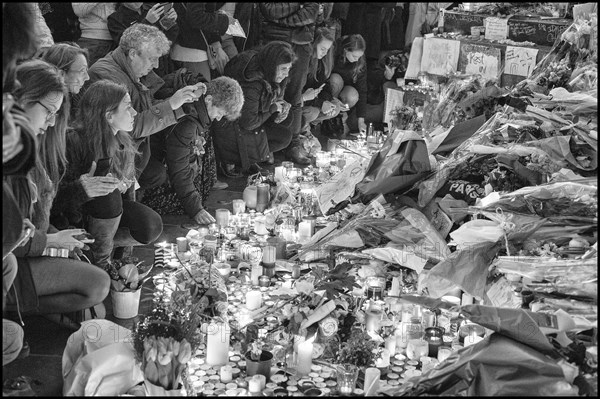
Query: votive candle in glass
(239,206)
(222,217)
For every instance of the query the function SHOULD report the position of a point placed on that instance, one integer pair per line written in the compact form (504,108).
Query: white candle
(372,376)
(226,374)
(395,291)
(304,229)
(472,339)
(443,354)
(390,344)
(466,299)
(305,350)
(384,360)
(279,173)
(217,344)
(255,273)
(255,383)
(222,217)
(253,300)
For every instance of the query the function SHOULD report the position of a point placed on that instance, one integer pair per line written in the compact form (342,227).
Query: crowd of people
(117,113)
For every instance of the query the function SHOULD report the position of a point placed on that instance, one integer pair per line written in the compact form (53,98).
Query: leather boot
(295,155)
(104,231)
(124,243)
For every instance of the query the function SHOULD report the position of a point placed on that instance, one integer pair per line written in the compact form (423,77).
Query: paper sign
(496,28)
(414,61)
(480,60)
(394,98)
(519,60)
(440,56)
(341,186)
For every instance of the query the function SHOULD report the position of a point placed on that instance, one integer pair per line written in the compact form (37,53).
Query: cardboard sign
(496,28)
(394,99)
(440,56)
(519,60)
(480,60)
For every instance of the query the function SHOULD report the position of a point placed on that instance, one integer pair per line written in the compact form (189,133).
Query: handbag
(211,54)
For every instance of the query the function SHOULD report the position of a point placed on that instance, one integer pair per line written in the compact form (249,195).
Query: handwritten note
(496,28)
(480,60)
(519,60)
(440,56)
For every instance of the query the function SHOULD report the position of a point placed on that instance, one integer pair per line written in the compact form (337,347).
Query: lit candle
(472,339)
(305,350)
(222,217)
(226,374)
(269,253)
(217,344)
(239,206)
(304,229)
(260,227)
(279,173)
(372,376)
(390,344)
(255,383)
(384,360)
(253,300)
(262,197)
(249,196)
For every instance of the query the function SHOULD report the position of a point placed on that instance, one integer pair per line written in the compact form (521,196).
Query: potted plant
(258,360)
(127,278)
(358,352)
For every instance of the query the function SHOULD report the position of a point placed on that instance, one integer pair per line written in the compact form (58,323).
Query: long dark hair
(63,55)
(270,56)
(325,64)
(38,79)
(97,135)
(351,43)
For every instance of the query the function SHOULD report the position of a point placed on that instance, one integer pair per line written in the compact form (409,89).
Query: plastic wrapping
(401,162)
(496,366)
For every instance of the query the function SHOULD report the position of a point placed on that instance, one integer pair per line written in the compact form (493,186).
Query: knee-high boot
(103,231)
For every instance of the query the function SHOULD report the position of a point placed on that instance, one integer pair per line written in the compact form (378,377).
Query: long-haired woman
(264,126)
(348,80)
(50,285)
(100,138)
(319,105)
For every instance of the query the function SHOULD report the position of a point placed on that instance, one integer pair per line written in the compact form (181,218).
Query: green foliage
(360,349)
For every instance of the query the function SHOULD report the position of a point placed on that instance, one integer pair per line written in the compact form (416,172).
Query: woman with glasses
(56,287)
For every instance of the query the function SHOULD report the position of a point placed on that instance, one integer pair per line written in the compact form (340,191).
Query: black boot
(103,231)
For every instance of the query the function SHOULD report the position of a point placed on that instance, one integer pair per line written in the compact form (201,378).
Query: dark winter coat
(244,141)
(289,22)
(197,18)
(124,17)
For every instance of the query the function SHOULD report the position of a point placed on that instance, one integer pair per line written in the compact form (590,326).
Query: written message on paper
(519,60)
(496,28)
(480,60)
(440,56)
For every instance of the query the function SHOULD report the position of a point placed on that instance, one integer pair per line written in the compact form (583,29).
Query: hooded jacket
(244,141)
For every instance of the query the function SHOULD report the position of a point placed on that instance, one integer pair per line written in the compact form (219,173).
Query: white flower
(304,287)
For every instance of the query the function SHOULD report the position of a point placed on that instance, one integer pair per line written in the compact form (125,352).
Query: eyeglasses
(49,113)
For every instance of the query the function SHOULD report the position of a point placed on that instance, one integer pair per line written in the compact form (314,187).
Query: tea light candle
(305,350)
(255,384)
(226,374)
(372,376)
(217,344)
(253,300)
(222,217)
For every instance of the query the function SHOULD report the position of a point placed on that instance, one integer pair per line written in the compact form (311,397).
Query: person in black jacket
(200,21)
(293,23)
(187,150)
(128,14)
(264,126)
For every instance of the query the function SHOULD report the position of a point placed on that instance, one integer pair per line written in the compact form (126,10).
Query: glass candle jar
(347,375)
(433,336)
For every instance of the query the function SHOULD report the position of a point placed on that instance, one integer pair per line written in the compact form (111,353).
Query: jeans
(296,82)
